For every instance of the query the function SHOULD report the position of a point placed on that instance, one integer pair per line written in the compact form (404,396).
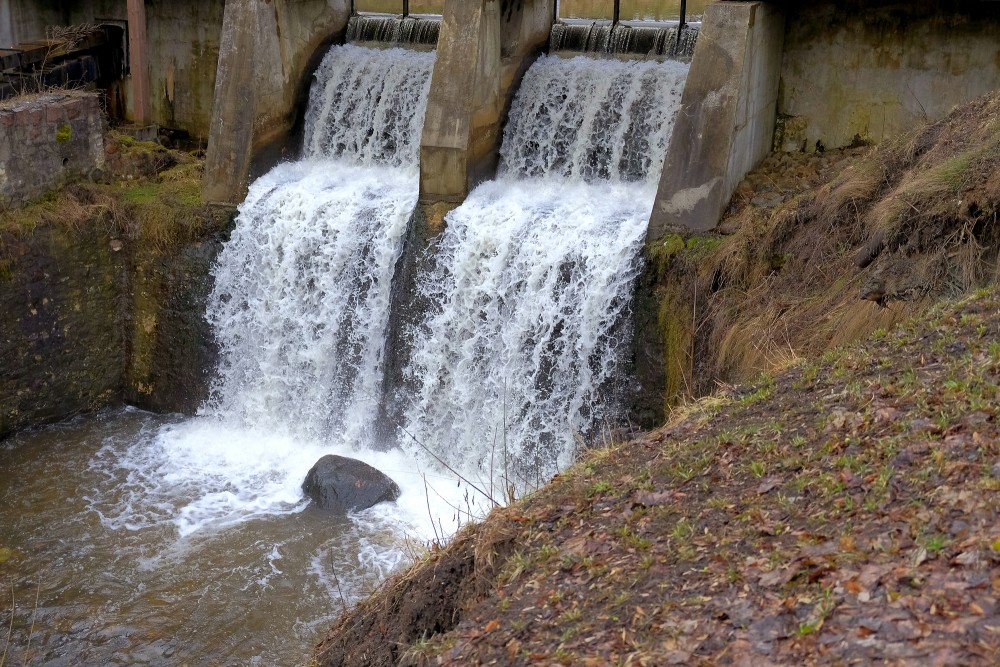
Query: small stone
(996,470)
(116,245)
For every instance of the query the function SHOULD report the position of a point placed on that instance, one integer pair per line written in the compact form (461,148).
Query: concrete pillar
(230,144)
(138,56)
(726,122)
(483,50)
(7,38)
(269,50)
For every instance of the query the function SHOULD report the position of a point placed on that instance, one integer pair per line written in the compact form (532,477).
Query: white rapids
(300,310)
(517,362)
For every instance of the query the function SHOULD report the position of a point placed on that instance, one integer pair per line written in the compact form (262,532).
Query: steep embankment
(844,510)
(814,239)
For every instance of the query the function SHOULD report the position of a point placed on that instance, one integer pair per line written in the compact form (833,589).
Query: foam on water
(516,363)
(300,309)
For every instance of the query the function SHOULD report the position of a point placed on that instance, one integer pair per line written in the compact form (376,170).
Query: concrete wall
(47,141)
(89,320)
(865,71)
(484,48)
(269,51)
(726,121)
(183,49)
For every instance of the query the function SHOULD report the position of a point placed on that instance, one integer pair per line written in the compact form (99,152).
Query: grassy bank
(840,507)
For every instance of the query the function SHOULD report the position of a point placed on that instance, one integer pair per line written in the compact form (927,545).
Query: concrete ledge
(726,122)
(267,55)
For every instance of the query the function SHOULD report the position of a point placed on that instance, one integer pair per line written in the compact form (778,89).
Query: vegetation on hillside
(814,240)
(840,509)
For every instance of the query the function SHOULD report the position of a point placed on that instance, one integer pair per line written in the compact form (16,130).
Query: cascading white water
(301,298)
(532,280)
(300,305)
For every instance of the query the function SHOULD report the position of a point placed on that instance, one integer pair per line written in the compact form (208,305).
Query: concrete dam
(439,224)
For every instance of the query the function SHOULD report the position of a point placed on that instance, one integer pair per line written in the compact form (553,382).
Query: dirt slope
(843,510)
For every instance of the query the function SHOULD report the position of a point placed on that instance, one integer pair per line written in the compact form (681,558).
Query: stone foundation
(48,140)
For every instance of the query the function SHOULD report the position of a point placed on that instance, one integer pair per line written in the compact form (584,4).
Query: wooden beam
(138,56)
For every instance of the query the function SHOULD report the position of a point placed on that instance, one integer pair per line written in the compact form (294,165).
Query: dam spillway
(518,359)
(653,40)
(197,528)
(413,32)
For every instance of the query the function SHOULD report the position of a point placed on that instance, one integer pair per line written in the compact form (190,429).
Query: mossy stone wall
(90,318)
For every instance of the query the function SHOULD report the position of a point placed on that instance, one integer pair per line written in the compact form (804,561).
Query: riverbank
(841,508)
(842,511)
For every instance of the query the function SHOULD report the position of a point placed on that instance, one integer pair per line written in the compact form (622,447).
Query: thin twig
(336,580)
(430,514)
(10,630)
(34,613)
(446,466)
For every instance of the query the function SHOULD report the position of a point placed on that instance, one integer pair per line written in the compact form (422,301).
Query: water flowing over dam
(659,41)
(518,359)
(302,332)
(193,530)
(197,527)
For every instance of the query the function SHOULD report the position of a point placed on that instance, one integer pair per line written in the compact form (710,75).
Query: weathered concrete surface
(484,48)
(726,121)
(91,317)
(62,342)
(172,350)
(183,38)
(46,141)
(268,55)
(862,71)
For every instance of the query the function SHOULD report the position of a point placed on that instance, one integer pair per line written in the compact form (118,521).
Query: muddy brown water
(117,587)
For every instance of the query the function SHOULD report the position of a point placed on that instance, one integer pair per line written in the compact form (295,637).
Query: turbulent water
(301,299)
(170,540)
(516,364)
(188,540)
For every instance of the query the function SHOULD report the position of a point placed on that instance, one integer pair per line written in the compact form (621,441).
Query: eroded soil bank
(841,508)
(102,290)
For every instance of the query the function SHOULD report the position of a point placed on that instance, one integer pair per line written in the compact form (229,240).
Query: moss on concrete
(104,289)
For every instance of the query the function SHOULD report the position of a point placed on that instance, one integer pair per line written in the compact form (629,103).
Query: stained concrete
(183,50)
(864,71)
(47,141)
(91,318)
(484,48)
(269,51)
(726,120)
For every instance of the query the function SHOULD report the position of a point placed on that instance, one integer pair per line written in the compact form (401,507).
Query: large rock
(340,484)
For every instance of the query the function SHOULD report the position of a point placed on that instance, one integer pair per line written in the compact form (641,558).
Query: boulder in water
(340,484)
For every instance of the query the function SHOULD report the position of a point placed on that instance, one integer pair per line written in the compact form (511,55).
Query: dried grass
(913,221)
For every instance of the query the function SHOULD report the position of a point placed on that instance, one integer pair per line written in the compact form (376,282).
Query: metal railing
(406,8)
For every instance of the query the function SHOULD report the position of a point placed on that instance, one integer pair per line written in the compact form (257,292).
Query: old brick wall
(48,140)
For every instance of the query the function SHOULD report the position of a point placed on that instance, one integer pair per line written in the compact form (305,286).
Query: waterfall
(410,31)
(658,41)
(301,297)
(517,360)
(299,306)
